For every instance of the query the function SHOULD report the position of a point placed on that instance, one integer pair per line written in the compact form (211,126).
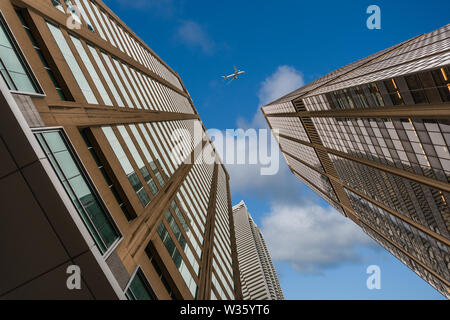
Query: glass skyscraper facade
(259,279)
(372,139)
(113,132)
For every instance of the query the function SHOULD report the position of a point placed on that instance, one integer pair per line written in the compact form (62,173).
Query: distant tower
(258,276)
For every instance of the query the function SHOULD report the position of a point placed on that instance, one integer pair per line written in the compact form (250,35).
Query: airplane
(234,75)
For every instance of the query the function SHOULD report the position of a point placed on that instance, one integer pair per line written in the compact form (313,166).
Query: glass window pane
(117,79)
(143,197)
(88,5)
(134,101)
(10,60)
(72,63)
(12,67)
(84,15)
(68,166)
(139,288)
(55,141)
(88,205)
(81,189)
(94,76)
(135,182)
(105,74)
(170,245)
(118,150)
(152,186)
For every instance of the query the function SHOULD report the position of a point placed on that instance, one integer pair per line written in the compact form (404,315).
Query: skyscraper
(110,186)
(259,280)
(372,138)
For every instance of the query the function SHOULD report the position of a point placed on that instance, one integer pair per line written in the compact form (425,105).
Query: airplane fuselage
(234,75)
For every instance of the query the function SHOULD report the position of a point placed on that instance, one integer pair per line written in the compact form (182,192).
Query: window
(73,64)
(126,165)
(349,99)
(393,91)
(139,288)
(123,38)
(177,258)
(147,155)
(127,84)
(105,28)
(137,158)
(13,67)
(157,268)
(87,135)
(218,287)
(155,153)
(99,18)
(361,100)
(142,93)
(50,72)
(161,148)
(112,34)
(57,4)
(416,88)
(182,241)
(88,5)
(115,33)
(105,74)
(376,94)
(90,68)
(116,77)
(441,77)
(77,184)
(84,15)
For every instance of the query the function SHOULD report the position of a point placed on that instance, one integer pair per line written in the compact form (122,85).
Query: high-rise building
(109,184)
(259,280)
(372,138)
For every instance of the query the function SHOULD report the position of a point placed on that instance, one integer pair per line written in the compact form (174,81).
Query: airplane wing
(235,69)
(230,81)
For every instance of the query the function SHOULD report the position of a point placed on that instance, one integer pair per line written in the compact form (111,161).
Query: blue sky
(282,45)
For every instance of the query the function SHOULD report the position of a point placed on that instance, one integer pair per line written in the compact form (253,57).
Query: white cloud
(248,178)
(284,80)
(312,238)
(193,35)
(297,229)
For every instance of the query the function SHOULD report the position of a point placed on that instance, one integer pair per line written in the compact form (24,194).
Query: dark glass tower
(372,138)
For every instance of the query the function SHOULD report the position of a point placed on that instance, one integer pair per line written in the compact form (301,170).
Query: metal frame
(88,179)
(40,92)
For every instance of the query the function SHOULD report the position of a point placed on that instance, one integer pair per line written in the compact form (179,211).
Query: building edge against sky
(372,139)
(259,280)
(88,176)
